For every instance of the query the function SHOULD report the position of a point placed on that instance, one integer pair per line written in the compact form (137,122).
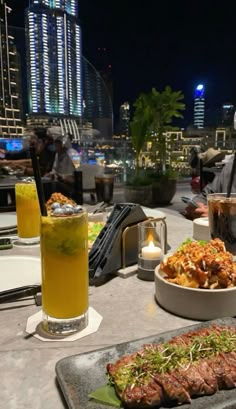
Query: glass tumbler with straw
(64,258)
(27,212)
(222,214)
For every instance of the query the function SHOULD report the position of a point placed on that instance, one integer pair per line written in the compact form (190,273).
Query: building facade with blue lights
(10,85)
(54,61)
(199,107)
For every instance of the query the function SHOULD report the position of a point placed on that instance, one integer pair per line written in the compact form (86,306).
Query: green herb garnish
(168,356)
(189,241)
(106,394)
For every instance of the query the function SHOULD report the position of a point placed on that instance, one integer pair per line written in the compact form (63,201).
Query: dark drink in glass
(104,188)
(222,219)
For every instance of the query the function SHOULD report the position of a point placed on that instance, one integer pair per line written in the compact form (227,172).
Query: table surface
(129,312)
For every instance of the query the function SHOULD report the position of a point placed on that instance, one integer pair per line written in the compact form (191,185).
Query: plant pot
(139,194)
(163,191)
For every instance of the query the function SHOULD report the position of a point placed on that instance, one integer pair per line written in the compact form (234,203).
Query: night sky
(153,43)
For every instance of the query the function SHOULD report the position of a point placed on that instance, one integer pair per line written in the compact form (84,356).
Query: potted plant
(138,188)
(153,117)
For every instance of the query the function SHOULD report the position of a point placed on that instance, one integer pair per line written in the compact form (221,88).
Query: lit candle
(151,251)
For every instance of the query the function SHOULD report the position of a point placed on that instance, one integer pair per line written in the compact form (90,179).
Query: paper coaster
(34,327)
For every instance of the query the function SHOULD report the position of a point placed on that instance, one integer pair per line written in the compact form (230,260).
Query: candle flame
(151,244)
(150,238)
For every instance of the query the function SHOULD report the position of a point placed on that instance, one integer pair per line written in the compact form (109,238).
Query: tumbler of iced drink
(222,219)
(28,212)
(64,256)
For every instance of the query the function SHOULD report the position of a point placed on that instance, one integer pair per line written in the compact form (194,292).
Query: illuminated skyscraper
(228,111)
(124,119)
(54,61)
(10,95)
(199,106)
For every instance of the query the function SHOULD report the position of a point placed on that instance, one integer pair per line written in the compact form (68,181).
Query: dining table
(129,311)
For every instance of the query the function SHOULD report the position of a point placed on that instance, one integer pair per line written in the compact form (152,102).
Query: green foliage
(138,137)
(139,180)
(155,174)
(153,116)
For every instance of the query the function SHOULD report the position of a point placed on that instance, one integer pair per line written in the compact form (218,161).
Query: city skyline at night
(158,45)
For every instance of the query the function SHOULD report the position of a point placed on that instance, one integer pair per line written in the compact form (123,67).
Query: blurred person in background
(46,153)
(202,164)
(62,168)
(218,185)
(21,160)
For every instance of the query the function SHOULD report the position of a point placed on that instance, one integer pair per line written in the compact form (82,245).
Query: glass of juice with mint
(27,212)
(64,257)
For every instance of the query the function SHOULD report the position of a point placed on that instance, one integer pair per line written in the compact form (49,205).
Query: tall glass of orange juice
(28,212)
(64,256)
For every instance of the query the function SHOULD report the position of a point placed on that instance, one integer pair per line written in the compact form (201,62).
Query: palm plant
(153,116)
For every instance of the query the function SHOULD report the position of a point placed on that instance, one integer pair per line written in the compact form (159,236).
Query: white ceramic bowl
(194,303)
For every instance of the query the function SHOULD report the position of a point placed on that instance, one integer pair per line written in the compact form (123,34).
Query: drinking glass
(222,219)
(28,212)
(64,257)
(104,185)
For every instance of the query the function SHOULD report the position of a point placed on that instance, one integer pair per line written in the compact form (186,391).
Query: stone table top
(129,312)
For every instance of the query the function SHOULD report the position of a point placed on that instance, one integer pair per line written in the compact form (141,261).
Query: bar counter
(129,311)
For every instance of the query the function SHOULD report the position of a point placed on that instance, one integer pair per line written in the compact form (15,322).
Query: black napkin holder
(117,244)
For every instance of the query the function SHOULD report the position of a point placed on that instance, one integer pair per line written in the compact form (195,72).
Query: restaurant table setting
(37,347)
(115,327)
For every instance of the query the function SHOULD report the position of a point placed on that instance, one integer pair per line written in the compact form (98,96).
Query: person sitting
(46,154)
(63,168)
(218,185)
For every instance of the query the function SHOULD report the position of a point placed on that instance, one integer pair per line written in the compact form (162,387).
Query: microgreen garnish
(170,356)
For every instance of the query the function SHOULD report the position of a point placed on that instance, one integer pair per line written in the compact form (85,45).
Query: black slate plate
(78,375)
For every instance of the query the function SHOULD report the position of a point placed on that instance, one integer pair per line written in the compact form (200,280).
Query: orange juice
(64,255)
(27,211)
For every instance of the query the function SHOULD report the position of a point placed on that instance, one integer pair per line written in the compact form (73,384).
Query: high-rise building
(103,66)
(97,103)
(54,62)
(124,119)
(199,106)
(10,93)
(228,111)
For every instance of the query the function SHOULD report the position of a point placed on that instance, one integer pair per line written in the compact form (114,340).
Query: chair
(88,178)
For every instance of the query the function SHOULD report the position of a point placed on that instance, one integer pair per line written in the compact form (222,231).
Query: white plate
(8,221)
(19,271)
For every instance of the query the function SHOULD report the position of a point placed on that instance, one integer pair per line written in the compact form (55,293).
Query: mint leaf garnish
(106,394)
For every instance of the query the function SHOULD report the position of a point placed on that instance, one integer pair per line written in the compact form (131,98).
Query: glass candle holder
(152,247)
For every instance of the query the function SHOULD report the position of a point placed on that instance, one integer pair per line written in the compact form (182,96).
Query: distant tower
(199,107)
(124,119)
(97,104)
(228,111)
(55,62)
(10,94)
(103,66)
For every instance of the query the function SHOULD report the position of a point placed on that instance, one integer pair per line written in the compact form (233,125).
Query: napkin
(105,256)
